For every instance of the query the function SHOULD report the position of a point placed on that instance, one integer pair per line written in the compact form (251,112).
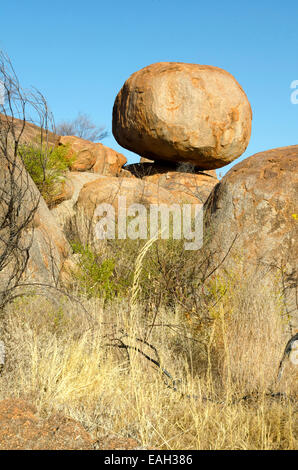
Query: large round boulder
(183,112)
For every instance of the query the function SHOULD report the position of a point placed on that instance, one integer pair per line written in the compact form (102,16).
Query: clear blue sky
(79,53)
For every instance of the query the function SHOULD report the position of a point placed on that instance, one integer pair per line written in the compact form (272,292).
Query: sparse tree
(19,198)
(83,127)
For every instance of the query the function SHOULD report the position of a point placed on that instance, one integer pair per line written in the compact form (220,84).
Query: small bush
(96,275)
(46,167)
(169,275)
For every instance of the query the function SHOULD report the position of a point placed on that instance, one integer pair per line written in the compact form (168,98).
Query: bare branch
(83,127)
(19,199)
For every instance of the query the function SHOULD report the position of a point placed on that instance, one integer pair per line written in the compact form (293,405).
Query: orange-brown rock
(257,201)
(108,189)
(196,185)
(125,173)
(64,212)
(31,133)
(21,428)
(48,245)
(49,248)
(145,160)
(183,112)
(95,157)
(175,178)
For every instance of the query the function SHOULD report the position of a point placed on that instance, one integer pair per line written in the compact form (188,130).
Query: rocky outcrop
(29,133)
(135,190)
(183,112)
(107,190)
(177,178)
(87,190)
(257,202)
(49,248)
(65,212)
(23,428)
(94,157)
(48,245)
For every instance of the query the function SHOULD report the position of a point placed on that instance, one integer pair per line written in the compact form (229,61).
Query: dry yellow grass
(60,359)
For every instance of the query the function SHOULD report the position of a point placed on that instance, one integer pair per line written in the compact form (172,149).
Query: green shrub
(96,276)
(46,167)
(170,275)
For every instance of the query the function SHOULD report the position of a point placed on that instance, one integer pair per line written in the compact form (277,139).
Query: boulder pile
(183,120)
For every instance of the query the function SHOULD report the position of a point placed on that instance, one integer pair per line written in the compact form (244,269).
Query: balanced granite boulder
(183,112)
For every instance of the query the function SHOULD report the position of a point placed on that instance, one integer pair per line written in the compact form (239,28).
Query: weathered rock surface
(48,245)
(21,428)
(183,112)
(135,190)
(257,200)
(125,173)
(65,212)
(49,248)
(87,190)
(177,178)
(145,160)
(107,190)
(31,133)
(95,157)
